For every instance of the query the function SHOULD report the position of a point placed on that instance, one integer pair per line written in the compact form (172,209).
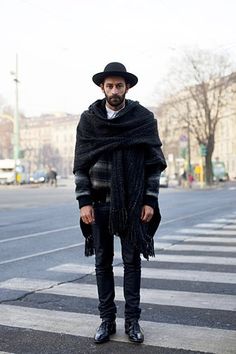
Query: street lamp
(189,168)
(16,135)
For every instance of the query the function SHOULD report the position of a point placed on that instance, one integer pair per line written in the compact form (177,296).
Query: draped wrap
(133,143)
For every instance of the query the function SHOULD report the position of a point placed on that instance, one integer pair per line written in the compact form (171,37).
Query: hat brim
(99,78)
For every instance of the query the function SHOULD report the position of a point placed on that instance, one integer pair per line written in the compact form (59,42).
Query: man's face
(115,89)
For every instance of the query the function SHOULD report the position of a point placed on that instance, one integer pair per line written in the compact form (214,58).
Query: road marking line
(193,259)
(224,221)
(189,216)
(180,258)
(208,232)
(75,268)
(43,233)
(155,273)
(42,253)
(175,237)
(149,296)
(162,245)
(210,225)
(27,284)
(200,239)
(165,335)
(202,248)
(61,249)
(231,227)
(77,226)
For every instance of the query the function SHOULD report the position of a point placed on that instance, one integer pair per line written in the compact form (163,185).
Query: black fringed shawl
(128,138)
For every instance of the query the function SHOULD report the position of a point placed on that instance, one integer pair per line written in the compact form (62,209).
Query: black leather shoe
(104,331)
(134,331)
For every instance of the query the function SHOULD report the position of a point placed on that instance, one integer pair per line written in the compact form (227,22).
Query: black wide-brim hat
(115,69)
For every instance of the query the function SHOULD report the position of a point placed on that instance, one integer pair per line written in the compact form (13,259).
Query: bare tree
(201,93)
(6,129)
(49,156)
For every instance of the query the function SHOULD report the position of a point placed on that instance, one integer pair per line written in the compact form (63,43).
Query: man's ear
(102,86)
(127,87)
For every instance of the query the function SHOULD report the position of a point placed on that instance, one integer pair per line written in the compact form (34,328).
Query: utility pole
(188,147)
(16,131)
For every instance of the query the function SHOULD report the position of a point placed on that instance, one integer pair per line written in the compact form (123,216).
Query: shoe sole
(136,341)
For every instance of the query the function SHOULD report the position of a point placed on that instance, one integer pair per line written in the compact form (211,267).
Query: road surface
(48,296)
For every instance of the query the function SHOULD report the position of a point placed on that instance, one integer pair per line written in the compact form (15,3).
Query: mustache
(115,96)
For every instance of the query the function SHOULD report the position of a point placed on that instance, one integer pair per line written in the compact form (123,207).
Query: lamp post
(16,135)
(189,168)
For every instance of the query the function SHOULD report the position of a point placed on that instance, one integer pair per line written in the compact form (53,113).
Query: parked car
(164,180)
(38,177)
(219,171)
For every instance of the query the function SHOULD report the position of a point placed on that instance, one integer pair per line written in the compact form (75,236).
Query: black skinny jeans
(104,251)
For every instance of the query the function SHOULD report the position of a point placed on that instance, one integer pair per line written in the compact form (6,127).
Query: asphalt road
(48,301)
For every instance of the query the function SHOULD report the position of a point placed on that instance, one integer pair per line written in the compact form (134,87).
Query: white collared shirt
(112,114)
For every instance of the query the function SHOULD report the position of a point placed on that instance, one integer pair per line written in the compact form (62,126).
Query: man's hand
(147,213)
(87,214)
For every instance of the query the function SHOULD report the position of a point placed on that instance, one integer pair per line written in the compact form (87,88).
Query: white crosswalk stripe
(152,296)
(207,231)
(202,239)
(194,259)
(182,258)
(206,248)
(156,334)
(231,227)
(155,273)
(218,236)
(210,225)
(216,226)
(224,220)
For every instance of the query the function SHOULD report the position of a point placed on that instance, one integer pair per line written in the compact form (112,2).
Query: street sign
(183,137)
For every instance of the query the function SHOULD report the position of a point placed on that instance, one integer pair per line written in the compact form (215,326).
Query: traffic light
(183,152)
(203,150)
(21,154)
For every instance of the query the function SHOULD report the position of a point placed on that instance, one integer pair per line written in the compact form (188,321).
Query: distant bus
(219,171)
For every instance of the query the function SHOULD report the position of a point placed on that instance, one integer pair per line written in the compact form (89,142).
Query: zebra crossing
(188,294)
(149,296)
(155,273)
(168,335)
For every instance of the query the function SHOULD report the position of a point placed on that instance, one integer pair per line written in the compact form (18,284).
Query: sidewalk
(62,182)
(198,186)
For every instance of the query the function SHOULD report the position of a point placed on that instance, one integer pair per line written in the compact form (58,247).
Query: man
(52,177)
(118,161)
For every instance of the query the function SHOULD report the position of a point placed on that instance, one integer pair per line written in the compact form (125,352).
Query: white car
(164,180)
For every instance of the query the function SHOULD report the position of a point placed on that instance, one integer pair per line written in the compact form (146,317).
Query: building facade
(48,141)
(179,141)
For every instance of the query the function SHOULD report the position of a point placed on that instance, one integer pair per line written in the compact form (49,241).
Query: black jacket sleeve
(152,178)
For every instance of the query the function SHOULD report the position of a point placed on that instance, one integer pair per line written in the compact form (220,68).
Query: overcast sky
(62,43)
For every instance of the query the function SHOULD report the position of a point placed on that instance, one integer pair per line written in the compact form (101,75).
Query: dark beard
(115,101)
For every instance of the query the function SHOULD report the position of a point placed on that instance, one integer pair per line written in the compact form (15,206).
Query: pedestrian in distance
(117,165)
(52,177)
